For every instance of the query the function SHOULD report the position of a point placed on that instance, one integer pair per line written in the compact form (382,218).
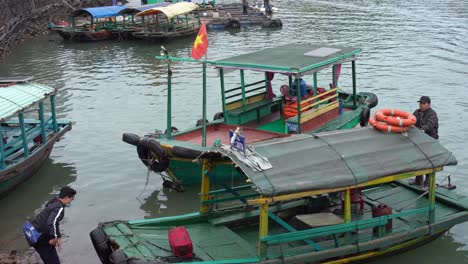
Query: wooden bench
(242,107)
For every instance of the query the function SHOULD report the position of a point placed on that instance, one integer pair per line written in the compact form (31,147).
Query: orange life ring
(382,126)
(395,117)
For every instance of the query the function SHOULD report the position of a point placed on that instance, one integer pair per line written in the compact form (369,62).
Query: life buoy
(395,117)
(382,126)
(148,150)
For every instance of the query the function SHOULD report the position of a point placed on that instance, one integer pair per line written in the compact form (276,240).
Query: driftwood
(20,20)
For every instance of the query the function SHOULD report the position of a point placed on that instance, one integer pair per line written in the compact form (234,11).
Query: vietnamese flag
(200,45)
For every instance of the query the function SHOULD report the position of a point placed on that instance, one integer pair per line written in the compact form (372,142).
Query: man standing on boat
(47,222)
(245,5)
(426,120)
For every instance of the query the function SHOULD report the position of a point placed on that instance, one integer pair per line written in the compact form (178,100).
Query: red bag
(180,242)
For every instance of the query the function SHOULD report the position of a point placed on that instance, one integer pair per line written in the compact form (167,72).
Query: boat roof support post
(335,79)
(205,185)
(23,135)
(41,118)
(54,115)
(263,229)
(432,196)
(290,82)
(223,96)
(243,89)
(2,158)
(347,206)
(315,89)
(298,94)
(169,95)
(204,106)
(354,82)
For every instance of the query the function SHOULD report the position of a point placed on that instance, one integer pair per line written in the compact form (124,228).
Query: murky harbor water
(409,49)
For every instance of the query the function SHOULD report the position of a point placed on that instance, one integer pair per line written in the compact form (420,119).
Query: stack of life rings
(392,120)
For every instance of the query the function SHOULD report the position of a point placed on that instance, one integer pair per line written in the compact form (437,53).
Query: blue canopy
(138,9)
(100,12)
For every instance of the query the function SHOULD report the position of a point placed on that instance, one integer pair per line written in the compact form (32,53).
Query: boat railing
(335,230)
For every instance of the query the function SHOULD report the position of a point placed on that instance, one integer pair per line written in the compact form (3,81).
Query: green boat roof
(342,158)
(290,58)
(17,95)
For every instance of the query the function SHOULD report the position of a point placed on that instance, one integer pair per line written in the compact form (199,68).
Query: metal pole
(204,105)
(41,117)
(243,89)
(223,96)
(23,135)
(54,116)
(299,114)
(354,83)
(432,196)
(169,95)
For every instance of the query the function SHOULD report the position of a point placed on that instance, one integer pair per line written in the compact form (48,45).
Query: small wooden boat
(92,24)
(251,104)
(333,197)
(26,143)
(168,22)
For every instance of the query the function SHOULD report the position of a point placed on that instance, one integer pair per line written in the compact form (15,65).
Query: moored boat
(26,143)
(92,24)
(252,105)
(331,197)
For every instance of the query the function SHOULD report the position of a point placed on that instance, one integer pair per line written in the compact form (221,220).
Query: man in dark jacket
(426,120)
(47,222)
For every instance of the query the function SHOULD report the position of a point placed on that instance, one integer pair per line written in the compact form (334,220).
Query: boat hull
(84,35)
(12,176)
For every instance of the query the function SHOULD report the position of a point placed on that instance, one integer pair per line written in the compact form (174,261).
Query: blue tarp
(100,12)
(138,9)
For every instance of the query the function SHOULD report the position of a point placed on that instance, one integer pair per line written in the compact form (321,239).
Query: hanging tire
(276,23)
(371,99)
(130,138)
(219,115)
(233,23)
(118,257)
(173,130)
(150,148)
(200,122)
(99,240)
(364,119)
(187,153)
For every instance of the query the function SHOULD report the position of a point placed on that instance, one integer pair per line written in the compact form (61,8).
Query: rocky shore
(28,257)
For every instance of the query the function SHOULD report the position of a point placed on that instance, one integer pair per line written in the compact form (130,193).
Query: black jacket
(428,122)
(47,221)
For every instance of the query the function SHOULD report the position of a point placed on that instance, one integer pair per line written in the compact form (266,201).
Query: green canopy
(290,58)
(341,158)
(19,96)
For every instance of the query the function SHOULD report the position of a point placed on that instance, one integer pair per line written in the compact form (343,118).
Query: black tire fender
(275,23)
(173,130)
(365,115)
(130,138)
(150,148)
(118,257)
(187,153)
(234,23)
(200,122)
(372,100)
(219,115)
(99,240)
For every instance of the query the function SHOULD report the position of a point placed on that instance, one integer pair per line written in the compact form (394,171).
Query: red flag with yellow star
(200,45)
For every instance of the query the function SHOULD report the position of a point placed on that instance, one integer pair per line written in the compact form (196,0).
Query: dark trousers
(245,10)
(47,252)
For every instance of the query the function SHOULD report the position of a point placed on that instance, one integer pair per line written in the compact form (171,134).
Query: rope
(150,164)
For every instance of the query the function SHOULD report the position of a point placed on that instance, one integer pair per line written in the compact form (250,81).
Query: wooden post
(299,114)
(243,89)
(41,118)
(169,98)
(205,185)
(223,96)
(204,106)
(2,158)
(54,115)
(354,83)
(263,228)
(23,135)
(432,196)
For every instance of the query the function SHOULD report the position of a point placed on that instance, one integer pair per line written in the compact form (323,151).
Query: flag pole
(204,104)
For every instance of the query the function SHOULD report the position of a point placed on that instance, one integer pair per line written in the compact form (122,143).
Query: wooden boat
(332,197)
(251,105)
(26,143)
(92,24)
(168,22)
